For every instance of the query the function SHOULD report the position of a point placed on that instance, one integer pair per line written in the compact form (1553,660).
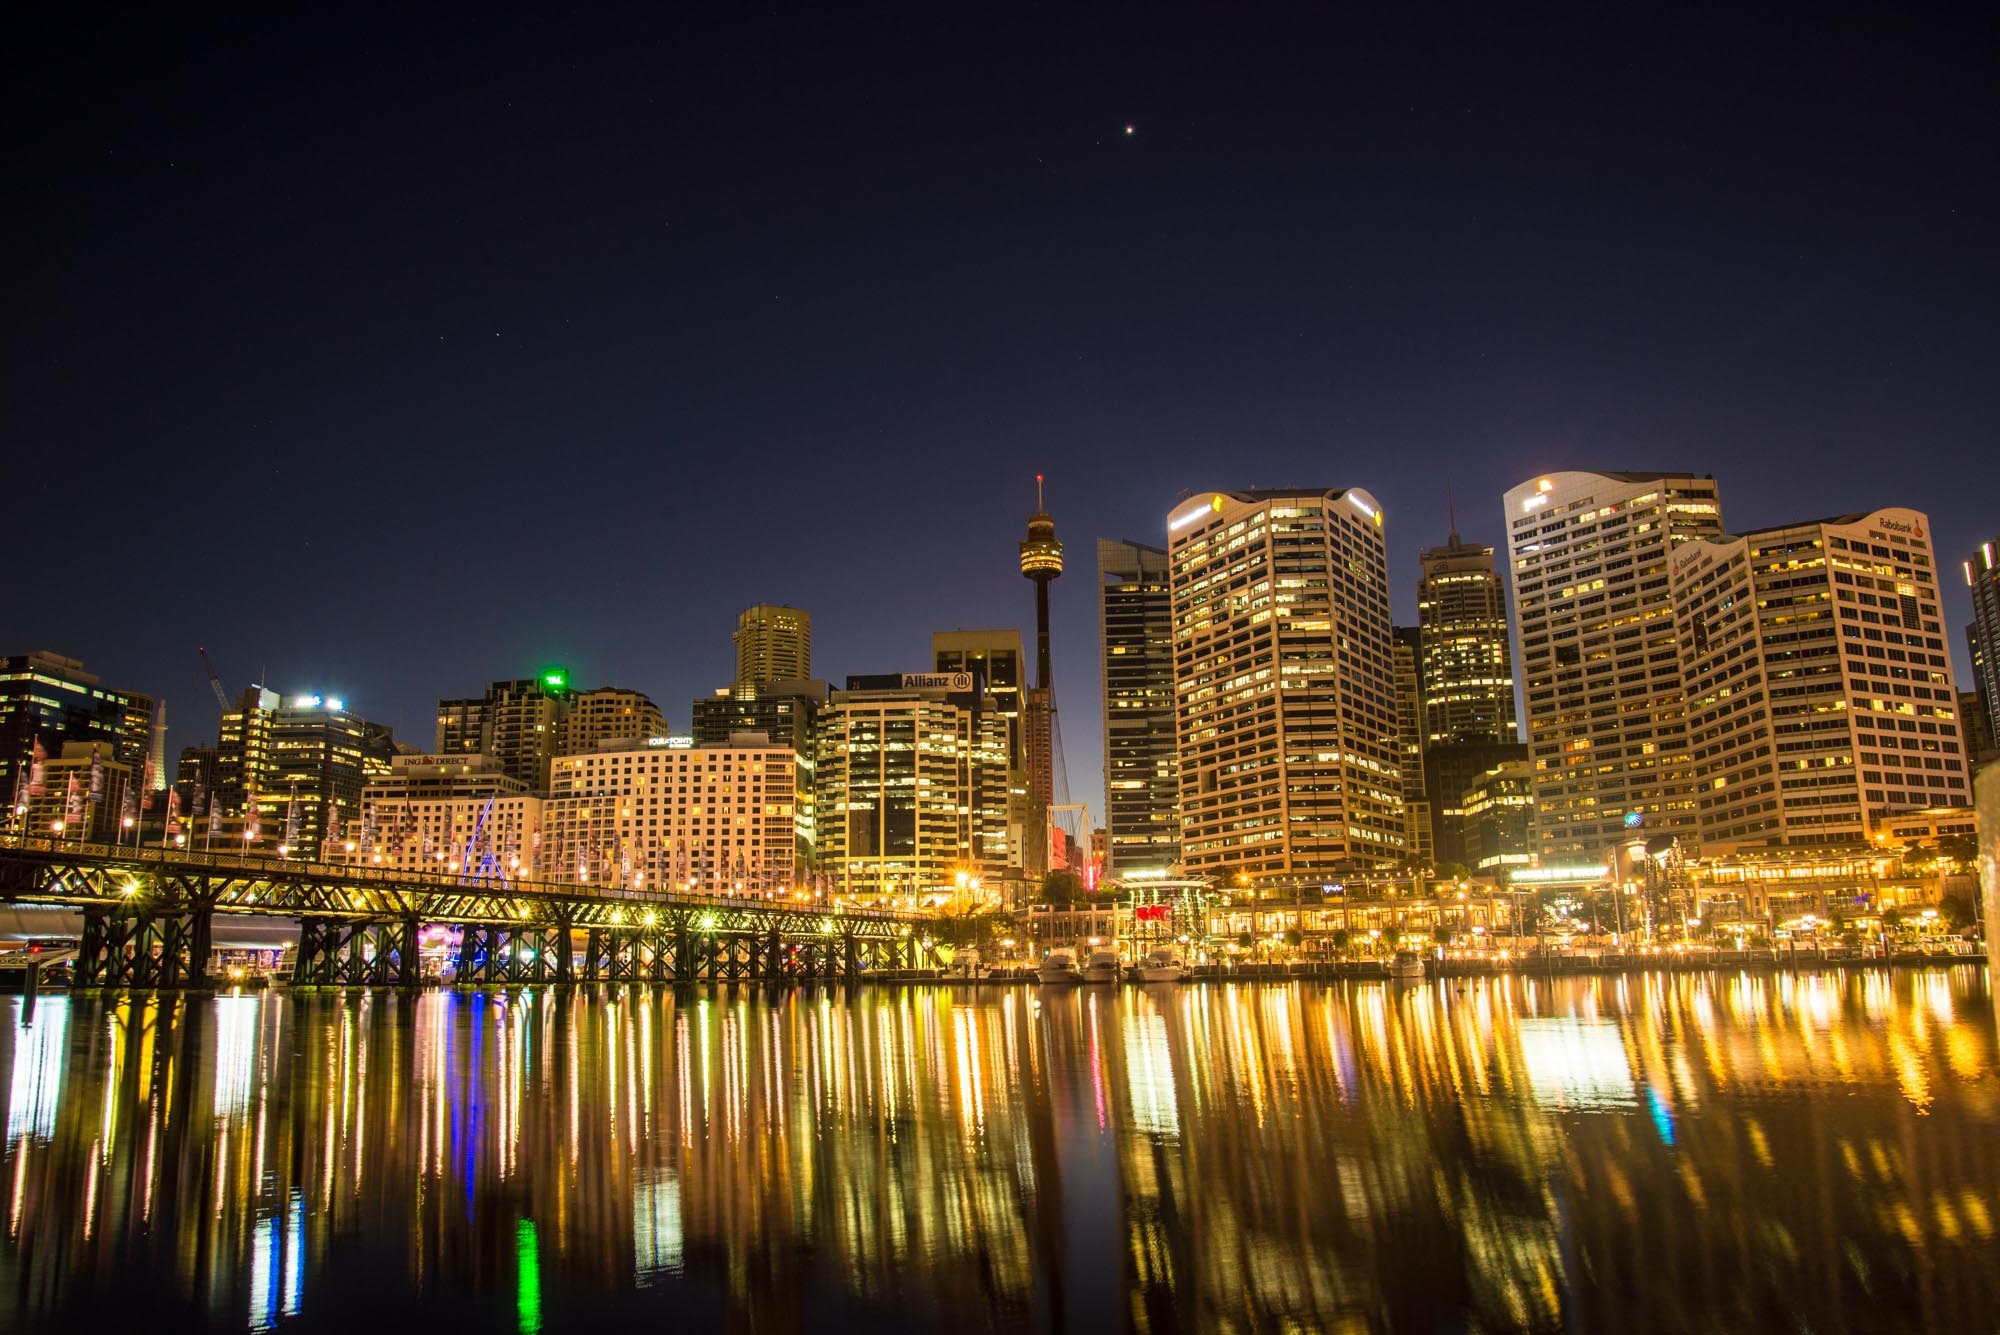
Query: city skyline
(370,411)
(1079,701)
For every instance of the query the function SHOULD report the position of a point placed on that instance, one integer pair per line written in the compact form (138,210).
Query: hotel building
(1284,685)
(716,819)
(1594,626)
(455,814)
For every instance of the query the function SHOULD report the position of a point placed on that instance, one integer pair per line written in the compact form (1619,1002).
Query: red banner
(1150,913)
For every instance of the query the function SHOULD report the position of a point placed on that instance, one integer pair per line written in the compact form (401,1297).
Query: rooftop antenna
(1451,510)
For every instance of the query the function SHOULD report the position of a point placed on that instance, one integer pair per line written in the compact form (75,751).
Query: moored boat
(1407,967)
(1059,966)
(1104,966)
(1162,964)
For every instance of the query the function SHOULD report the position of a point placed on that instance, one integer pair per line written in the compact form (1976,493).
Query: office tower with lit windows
(50,699)
(519,723)
(1594,635)
(293,768)
(1410,746)
(609,714)
(1819,689)
(773,643)
(1285,686)
(912,787)
(995,661)
(1135,622)
(1982,636)
(1464,663)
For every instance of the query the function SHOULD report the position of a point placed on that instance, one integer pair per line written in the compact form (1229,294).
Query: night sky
(387,355)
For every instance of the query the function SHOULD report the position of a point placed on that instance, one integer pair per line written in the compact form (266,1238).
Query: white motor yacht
(1407,967)
(1104,966)
(967,964)
(1163,964)
(1059,966)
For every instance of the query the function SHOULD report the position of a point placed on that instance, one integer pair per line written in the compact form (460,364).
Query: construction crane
(214,681)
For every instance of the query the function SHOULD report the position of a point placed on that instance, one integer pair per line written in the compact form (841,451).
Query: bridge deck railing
(266,866)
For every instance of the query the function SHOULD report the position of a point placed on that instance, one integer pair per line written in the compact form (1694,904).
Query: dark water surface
(1655,1153)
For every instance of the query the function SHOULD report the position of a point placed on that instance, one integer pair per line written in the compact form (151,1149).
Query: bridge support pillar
(563,944)
(852,958)
(408,966)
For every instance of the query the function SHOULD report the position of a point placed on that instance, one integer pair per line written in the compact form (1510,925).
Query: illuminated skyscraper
(1594,627)
(773,643)
(912,786)
(1466,670)
(1135,619)
(1285,688)
(1819,687)
(297,766)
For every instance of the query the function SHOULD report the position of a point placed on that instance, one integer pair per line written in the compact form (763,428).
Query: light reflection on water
(1810,1152)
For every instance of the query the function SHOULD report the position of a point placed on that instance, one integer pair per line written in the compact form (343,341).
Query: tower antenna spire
(1039,507)
(1451,511)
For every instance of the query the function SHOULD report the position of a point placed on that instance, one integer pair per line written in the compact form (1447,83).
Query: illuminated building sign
(1214,506)
(937,681)
(1552,875)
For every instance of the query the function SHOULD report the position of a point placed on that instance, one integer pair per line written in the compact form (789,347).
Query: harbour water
(1702,1152)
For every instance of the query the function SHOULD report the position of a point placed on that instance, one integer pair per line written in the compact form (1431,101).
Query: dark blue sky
(386,355)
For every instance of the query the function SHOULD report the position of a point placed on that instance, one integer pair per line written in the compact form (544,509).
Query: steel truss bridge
(148,915)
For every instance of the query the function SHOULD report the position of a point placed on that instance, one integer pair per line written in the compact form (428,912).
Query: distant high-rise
(610,714)
(1135,619)
(1819,688)
(1464,665)
(519,723)
(1594,630)
(1982,580)
(773,643)
(1410,745)
(1284,682)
